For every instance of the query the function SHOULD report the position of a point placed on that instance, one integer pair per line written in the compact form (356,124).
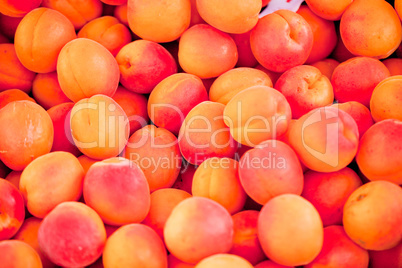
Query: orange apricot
(398,7)
(18,254)
(11,95)
(14,177)
(86,162)
(394,66)
(328,9)
(326,66)
(120,12)
(46,90)
(223,261)
(18,8)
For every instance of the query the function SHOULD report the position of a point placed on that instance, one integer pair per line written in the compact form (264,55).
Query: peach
(27,135)
(143,64)
(13,75)
(173,98)
(326,66)
(371,28)
(14,177)
(305,88)
(118,191)
(290,230)
(223,261)
(18,8)
(218,179)
(72,235)
(281,40)
(271,264)
(46,90)
(204,225)
(134,245)
(328,192)
(19,254)
(328,9)
(269,170)
(325,139)
(185,179)
(339,251)
(245,55)
(245,239)
(163,202)
(12,210)
(99,127)
(107,31)
(156,152)
(230,16)
(257,114)
(174,262)
(385,102)
(204,134)
(11,95)
(380,155)
(386,258)
(228,84)
(86,68)
(206,52)
(356,78)
(372,215)
(86,162)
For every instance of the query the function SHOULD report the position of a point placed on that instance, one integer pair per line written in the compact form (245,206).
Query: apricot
(195,15)
(325,139)
(27,135)
(326,66)
(204,225)
(386,258)
(99,127)
(143,64)
(158,21)
(18,254)
(227,85)
(380,155)
(13,75)
(206,52)
(46,90)
(339,251)
(372,215)
(134,245)
(305,88)
(398,7)
(290,230)
(245,55)
(328,9)
(11,95)
(86,162)
(118,191)
(18,8)
(224,261)
(120,12)
(385,102)
(173,98)
(271,264)
(156,152)
(257,114)
(12,210)
(356,78)
(273,75)
(14,178)
(394,66)
(174,262)
(371,28)
(204,134)
(86,68)
(70,230)
(281,40)
(185,179)
(9,25)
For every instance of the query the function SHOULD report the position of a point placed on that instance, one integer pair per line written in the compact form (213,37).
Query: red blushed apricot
(386,258)
(185,179)
(78,12)
(206,52)
(223,261)
(11,95)
(356,78)
(18,8)
(328,192)
(228,84)
(14,178)
(12,210)
(162,203)
(107,31)
(305,88)
(394,66)
(156,152)
(360,113)
(134,245)
(281,40)
(158,21)
(205,225)
(372,215)
(290,230)
(273,75)
(340,52)
(271,264)
(326,66)
(339,251)
(371,28)
(195,15)
(385,102)
(328,9)
(204,134)
(325,139)
(46,90)
(269,170)
(50,180)
(143,64)
(230,16)
(256,114)
(173,98)
(245,239)
(245,55)
(63,141)
(174,262)
(118,191)
(86,68)
(27,135)
(324,34)
(99,127)
(13,75)
(68,231)
(380,154)
(218,179)
(120,12)
(31,40)
(19,255)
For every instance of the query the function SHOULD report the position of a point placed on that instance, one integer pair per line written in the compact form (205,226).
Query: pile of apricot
(200,133)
